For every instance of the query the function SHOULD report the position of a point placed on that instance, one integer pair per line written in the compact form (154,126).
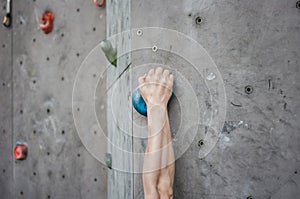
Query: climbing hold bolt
(109,51)
(139,103)
(99,3)
(46,22)
(20,151)
(7,18)
(248,89)
(108,160)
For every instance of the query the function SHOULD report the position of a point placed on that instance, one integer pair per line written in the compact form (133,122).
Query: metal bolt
(248,89)
(139,32)
(154,48)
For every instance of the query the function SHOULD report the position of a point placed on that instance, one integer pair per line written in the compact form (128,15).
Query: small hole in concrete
(95,179)
(3,170)
(94,29)
(21,192)
(63,176)
(198,20)
(34,131)
(34,40)
(77,54)
(21,111)
(21,22)
(78,155)
(21,62)
(48,153)
(33,81)
(95,132)
(94,75)
(4,7)
(48,196)
(190,14)
(3,131)
(48,110)
(295,172)
(249,197)
(63,132)
(62,35)
(62,78)
(78,10)
(3,45)
(3,84)
(47,58)
(78,109)
(34,173)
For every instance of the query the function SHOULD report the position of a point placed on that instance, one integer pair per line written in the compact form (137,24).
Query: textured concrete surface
(253,43)
(44,68)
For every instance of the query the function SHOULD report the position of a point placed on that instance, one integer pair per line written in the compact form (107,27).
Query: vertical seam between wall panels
(12,101)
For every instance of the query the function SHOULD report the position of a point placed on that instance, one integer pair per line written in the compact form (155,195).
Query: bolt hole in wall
(298,4)
(198,20)
(248,89)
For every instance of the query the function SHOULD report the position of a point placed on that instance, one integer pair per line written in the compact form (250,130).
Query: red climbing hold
(20,151)
(46,22)
(99,3)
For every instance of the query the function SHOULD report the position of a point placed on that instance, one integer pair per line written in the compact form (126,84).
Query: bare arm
(158,170)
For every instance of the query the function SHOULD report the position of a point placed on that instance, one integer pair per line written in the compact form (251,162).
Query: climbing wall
(36,101)
(255,45)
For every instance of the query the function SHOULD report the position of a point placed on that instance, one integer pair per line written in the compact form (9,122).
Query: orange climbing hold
(46,22)
(99,3)
(20,151)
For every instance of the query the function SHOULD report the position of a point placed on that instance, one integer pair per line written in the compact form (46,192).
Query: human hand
(156,87)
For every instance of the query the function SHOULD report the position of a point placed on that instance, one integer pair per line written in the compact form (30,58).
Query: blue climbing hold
(139,103)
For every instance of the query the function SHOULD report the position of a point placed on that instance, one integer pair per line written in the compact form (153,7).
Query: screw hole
(48,153)
(21,22)
(47,58)
(298,4)
(198,20)
(94,29)
(34,173)
(295,172)
(63,132)
(48,196)
(78,10)
(200,143)
(48,110)
(95,179)
(33,81)
(248,89)
(249,197)
(77,54)
(21,192)
(63,176)
(190,14)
